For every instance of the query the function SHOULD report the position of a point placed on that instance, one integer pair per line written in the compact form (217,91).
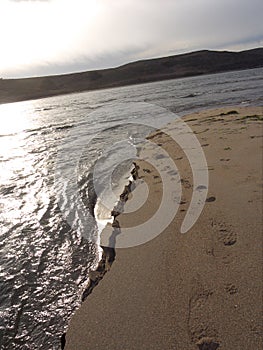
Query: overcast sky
(40,37)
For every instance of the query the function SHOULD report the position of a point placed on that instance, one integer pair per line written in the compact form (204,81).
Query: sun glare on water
(39,32)
(14,117)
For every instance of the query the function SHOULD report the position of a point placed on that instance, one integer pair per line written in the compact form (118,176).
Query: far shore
(151,70)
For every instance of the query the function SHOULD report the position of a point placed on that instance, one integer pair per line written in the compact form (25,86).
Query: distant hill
(178,66)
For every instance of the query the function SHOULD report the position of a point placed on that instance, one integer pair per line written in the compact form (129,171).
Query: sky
(44,37)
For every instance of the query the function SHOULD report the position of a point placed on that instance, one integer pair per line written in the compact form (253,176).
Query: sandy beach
(196,290)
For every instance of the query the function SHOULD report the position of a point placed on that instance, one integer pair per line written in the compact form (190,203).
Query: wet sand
(197,290)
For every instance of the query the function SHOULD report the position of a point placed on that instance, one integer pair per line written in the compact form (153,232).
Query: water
(46,251)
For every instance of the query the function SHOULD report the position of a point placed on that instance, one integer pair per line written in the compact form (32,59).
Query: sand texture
(197,290)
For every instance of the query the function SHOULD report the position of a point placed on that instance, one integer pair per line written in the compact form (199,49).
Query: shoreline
(108,254)
(176,66)
(116,86)
(204,295)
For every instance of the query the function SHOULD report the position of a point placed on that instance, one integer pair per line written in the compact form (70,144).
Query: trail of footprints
(223,237)
(200,326)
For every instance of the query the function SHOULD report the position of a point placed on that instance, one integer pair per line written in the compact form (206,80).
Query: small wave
(245,102)
(110,100)
(64,127)
(8,135)
(34,130)
(38,150)
(47,128)
(6,190)
(95,106)
(191,95)
(87,191)
(43,109)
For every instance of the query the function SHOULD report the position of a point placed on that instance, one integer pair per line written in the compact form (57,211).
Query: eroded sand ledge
(201,290)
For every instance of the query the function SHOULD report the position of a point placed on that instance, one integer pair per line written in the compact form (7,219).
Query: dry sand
(198,290)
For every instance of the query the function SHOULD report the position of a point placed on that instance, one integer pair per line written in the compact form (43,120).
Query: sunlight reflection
(15,117)
(22,189)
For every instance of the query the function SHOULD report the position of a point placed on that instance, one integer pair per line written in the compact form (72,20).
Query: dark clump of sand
(198,290)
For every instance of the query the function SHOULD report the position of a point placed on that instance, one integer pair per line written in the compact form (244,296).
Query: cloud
(87,34)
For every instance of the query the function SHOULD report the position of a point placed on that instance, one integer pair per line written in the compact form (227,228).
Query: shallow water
(50,149)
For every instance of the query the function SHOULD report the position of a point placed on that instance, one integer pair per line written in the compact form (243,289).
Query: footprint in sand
(147,171)
(225,234)
(200,324)
(207,344)
(222,238)
(185,183)
(231,289)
